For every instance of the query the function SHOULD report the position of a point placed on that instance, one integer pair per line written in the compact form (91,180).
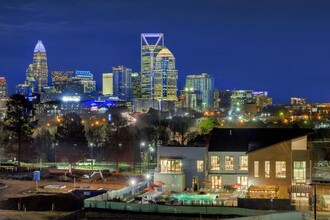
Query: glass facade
(37,72)
(122,84)
(165,76)
(149,51)
(203,86)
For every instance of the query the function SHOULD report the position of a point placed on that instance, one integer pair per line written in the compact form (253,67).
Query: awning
(300,188)
(273,188)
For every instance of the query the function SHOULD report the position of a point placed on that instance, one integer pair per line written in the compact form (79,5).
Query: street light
(150,156)
(148,177)
(142,144)
(133,183)
(92,163)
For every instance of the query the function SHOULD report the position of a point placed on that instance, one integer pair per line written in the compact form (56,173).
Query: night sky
(279,46)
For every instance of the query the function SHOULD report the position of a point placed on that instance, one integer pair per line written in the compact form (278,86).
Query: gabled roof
(249,139)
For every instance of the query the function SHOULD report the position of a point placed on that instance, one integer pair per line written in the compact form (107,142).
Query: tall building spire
(37,72)
(39,47)
(151,44)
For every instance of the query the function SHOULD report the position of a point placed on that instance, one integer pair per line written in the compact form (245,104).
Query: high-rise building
(122,85)
(262,99)
(107,84)
(37,72)
(3,87)
(59,78)
(298,101)
(151,44)
(86,79)
(203,86)
(165,76)
(24,89)
(136,85)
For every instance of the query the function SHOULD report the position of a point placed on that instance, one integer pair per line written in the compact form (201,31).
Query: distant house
(181,167)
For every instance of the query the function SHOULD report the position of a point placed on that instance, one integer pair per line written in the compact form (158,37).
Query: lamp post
(148,177)
(150,156)
(133,183)
(142,145)
(55,151)
(92,162)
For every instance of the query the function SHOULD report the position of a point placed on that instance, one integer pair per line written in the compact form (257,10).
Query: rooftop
(249,139)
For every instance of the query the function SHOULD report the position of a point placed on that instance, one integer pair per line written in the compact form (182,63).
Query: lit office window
(229,163)
(200,166)
(267,169)
(215,163)
(280,168)
(243,163)
(299,171)
(170,166)
(256,168)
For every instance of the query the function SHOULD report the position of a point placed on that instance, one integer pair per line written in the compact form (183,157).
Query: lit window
(256,168)
(229,163)
(200,165)
(267,169)
(242,180)
(216,182)
(243,163)
(170,166)
(215,163)
(280,168)
(299,171)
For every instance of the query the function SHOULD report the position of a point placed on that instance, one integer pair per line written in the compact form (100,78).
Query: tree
(43,141)
(18,121)
(180,125)
(207,125)
(95,136)
(70,135)
(117,139)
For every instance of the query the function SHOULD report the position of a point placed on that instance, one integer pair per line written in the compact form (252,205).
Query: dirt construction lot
(26,188)
(17,188)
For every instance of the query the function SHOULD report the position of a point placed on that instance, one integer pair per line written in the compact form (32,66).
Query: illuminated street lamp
(148,177)
(133,183)
(92,163)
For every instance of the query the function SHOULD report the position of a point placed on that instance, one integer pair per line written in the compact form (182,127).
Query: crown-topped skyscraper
(37,72)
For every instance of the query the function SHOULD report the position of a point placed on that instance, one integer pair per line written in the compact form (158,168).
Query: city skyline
(275,46)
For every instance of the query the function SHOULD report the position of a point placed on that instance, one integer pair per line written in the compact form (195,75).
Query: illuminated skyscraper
(136,85)
(202,85)
(165,76)
(107,83)
(122,85)
(3,87)
(37,72)
(59,78)
(151,44)
(86,79)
